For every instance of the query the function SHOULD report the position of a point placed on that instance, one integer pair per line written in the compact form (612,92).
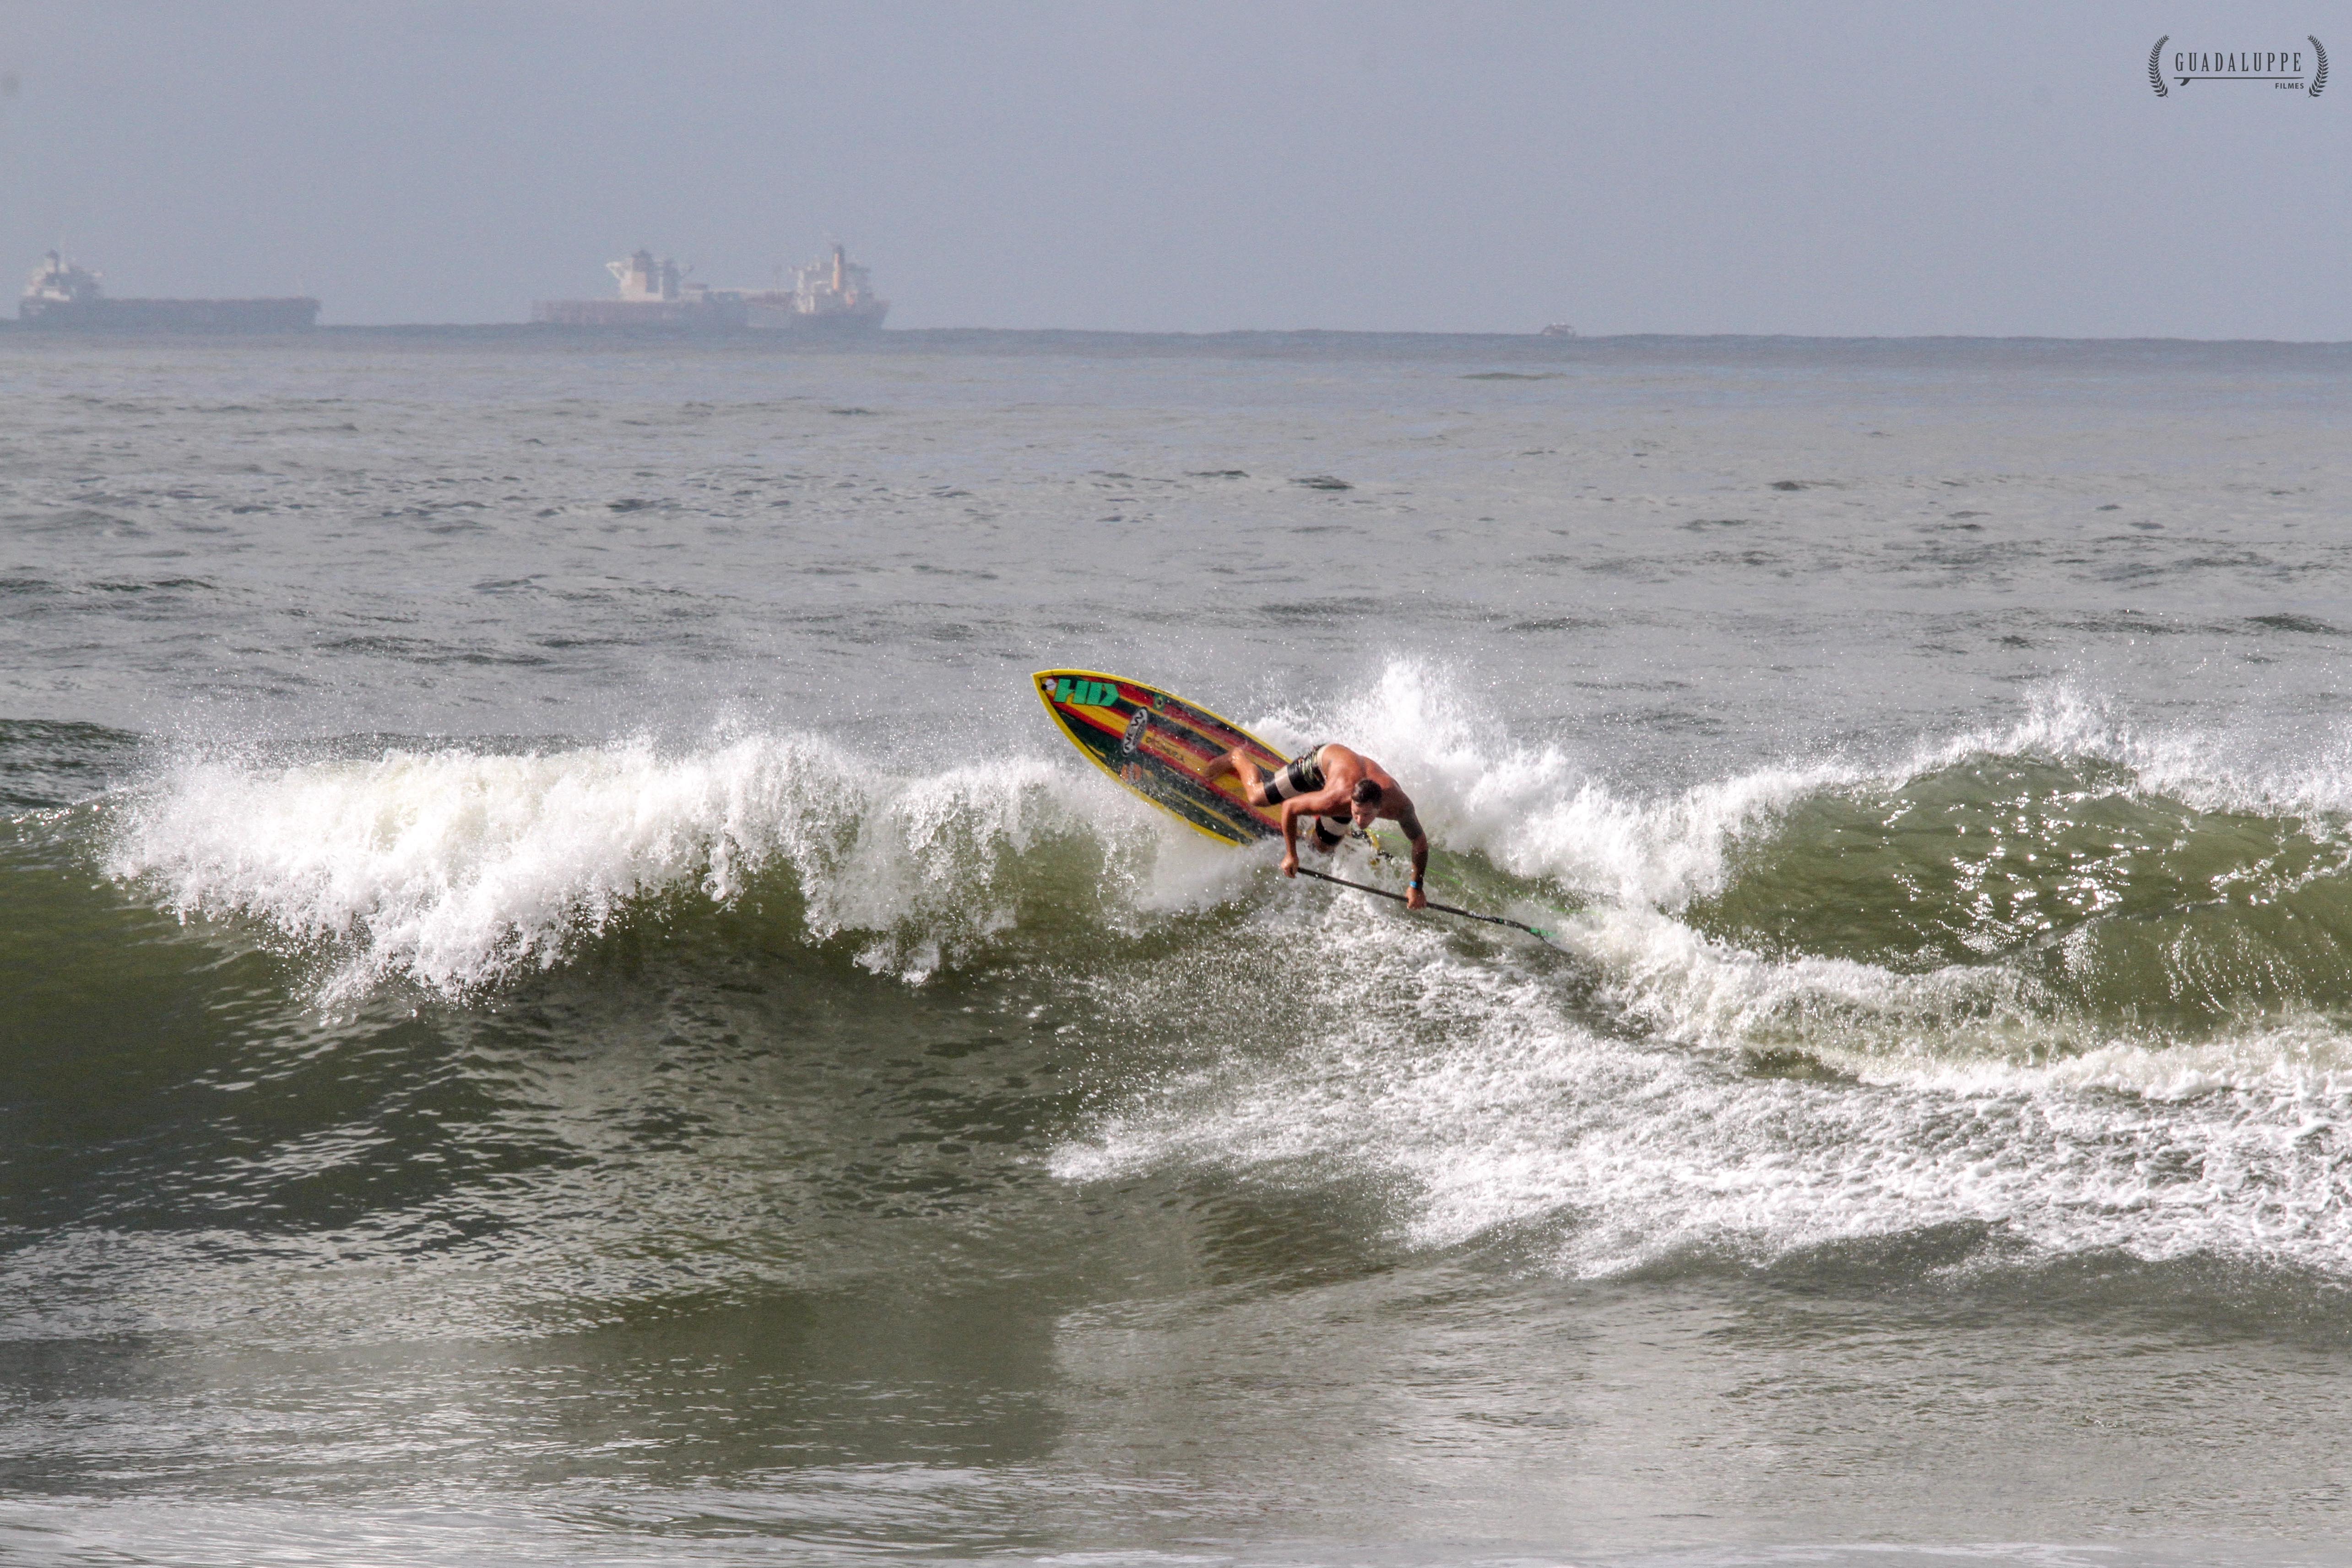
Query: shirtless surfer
(1337,787)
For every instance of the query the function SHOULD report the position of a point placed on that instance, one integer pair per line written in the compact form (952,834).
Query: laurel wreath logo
(2156,66)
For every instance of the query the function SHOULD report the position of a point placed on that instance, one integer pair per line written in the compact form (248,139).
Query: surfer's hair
(1368,792)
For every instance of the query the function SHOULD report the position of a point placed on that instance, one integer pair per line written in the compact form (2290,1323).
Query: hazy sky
(1865,169)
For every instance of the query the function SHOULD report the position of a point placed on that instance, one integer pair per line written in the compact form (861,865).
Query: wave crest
(455,868)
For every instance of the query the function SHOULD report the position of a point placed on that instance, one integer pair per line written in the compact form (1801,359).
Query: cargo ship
(834,294)
(831,295)
(64,295)
(652,294)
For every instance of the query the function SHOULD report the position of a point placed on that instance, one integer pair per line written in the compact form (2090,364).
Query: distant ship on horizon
(62,295)
(832,294)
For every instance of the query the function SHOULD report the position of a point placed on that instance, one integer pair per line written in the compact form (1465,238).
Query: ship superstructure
(833,294)
(64,295)
(56,282)
(644,280)
(652,294)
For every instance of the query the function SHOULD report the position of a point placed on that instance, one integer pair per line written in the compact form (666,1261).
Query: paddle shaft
(1442,908)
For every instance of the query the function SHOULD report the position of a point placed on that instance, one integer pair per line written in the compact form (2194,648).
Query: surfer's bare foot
(1245,772)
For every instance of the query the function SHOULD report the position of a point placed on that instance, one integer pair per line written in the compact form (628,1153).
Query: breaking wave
(2061,874)
(456,870)
(2079,988)
(2061,988)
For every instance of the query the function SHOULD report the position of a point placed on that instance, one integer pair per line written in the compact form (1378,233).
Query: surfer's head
(1365,804)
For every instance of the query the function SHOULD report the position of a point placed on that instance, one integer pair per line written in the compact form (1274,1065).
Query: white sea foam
(1474,1089)
(1531,811)
(2204,771)
(1512,1113)
(1701,992)
(454,868)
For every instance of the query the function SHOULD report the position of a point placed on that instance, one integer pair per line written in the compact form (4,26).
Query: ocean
(565,1004)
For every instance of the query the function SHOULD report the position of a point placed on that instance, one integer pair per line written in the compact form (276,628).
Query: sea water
(564,1003)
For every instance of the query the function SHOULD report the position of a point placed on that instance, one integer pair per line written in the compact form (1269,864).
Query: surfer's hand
(1414,899)
(1290,864)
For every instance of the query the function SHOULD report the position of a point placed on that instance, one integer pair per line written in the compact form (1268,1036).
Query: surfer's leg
(1239,764)
(1300,775)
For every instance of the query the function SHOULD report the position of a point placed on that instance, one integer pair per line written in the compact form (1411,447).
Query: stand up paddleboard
(1159,745)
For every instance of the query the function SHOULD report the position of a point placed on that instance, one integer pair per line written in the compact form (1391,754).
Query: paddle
(1444,908)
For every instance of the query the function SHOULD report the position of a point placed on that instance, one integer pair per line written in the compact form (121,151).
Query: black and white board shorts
(1303,774)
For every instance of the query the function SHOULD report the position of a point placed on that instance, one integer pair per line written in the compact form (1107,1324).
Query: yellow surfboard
(1159,745)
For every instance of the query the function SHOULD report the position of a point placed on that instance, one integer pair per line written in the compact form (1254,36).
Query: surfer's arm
(1290,809)
(1330,801)
(1414,898)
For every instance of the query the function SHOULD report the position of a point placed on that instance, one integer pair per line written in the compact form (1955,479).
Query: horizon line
(13,326)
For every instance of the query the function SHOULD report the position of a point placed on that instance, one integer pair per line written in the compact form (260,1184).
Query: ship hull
(719,315)
(287,315)
(769,318)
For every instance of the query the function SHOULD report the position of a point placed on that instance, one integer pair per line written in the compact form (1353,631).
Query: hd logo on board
(2285,71)
(1085,693)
